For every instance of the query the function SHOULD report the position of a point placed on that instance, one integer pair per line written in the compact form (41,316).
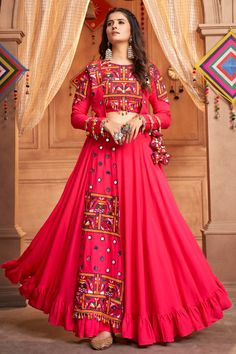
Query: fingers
(119,137)
(115,137)
(136,133)
(114,130)
(128,134)
(133,134)
(126,139)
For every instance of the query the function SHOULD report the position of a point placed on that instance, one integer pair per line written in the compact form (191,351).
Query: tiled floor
(27,331)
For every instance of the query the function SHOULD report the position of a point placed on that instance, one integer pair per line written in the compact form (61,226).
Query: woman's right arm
(81,103)
(96,126)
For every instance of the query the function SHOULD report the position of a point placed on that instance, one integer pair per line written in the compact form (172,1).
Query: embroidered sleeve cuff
(94,126)
(150,122)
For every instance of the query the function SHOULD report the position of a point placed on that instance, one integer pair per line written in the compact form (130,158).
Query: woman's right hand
(113,127)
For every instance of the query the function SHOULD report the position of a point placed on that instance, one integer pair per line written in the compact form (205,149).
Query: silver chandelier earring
(108,53)
(130,49)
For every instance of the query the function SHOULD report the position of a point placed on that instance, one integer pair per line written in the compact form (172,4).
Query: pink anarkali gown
(115,253)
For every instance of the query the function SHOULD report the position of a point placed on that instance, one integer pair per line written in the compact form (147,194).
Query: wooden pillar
(10,232)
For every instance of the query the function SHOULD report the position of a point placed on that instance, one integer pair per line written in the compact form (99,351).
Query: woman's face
(118,28)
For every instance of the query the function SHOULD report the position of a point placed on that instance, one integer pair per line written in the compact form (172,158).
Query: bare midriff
(118,117)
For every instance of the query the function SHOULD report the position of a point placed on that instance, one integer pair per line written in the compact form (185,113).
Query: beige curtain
(52,30)
(175,23)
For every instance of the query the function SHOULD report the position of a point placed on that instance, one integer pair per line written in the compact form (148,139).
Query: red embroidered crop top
(122,91)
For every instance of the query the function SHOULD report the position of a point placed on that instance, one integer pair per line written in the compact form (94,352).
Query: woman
(115,255)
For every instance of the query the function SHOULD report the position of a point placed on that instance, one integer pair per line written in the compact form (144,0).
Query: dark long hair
(140,62)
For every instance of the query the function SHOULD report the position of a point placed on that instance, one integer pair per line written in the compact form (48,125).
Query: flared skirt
(116,254)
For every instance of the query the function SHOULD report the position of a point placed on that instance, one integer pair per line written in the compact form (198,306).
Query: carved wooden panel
(61,133)
(38,208)
(31,139)
(189,197)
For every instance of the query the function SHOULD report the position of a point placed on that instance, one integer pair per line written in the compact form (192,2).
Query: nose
(114,26)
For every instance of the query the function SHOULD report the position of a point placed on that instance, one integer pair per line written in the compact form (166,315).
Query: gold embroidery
(99,296)
(101,214)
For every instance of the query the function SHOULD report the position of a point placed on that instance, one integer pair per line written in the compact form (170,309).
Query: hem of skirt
(164,328)
(60,313)
(145,330)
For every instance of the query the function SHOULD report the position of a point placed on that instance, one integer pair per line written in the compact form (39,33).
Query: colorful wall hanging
(218,67)
(100,9)
(176,86)
(11,70)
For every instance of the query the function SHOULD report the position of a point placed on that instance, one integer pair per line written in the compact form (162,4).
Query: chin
(118,40)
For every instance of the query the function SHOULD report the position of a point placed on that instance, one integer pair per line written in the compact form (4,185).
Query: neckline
(120,64)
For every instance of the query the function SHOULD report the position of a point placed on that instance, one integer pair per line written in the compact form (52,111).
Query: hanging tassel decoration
(217,106)
(70,90)
(172,89)
(176,96)
(93,38)
(206,93)
(142,17)
(176,86)
(232,117)
(181,88)
(15,98)
(194,75)
(5,106)
(27,83)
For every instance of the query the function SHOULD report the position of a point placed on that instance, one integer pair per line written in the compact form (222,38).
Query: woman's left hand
(135,124)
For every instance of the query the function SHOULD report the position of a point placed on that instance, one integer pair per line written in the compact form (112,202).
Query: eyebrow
(118,19)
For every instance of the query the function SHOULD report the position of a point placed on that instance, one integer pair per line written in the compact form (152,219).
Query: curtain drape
(175,23)
(52,29)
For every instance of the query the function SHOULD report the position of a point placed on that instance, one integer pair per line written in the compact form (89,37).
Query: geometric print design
(10,71)
(81,83)
(99,296)
(101,214)
(218,66)
(160,84)
(121,91)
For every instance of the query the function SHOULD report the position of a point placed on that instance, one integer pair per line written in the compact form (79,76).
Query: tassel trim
(99,316)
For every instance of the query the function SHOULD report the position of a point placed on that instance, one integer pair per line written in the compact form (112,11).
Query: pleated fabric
(159,284)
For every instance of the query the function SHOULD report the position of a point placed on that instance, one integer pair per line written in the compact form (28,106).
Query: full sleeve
(80,106)
(161,115)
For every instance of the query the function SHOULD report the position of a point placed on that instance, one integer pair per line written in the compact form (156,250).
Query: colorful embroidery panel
(159,83)
(100,281)
(99,296)
(81,83)
(122,91)
(101,214)
(161,89)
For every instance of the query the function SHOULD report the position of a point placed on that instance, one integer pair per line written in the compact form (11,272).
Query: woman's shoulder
(82,75)
(154,71)
(86,72)
(93,65)
(158,82)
